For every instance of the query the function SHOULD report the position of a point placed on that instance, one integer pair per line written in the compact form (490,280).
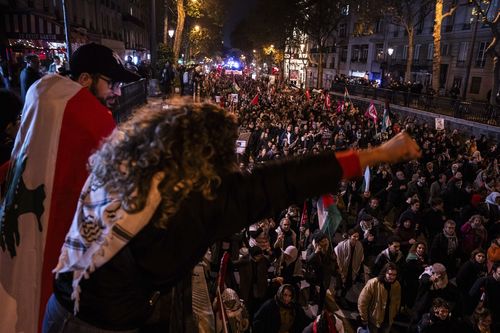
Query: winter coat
(268,319)
(473,238)
(373,300)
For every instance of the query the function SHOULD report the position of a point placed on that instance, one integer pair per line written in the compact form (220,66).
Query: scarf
(452,243)
(491,198)
(344,253)
(100,229)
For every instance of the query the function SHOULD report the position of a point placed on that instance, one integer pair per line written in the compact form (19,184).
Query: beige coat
(373,299)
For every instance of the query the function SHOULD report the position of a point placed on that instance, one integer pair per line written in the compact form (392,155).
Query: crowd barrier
(132,95)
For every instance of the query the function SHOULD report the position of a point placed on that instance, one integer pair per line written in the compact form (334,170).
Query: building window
(416,52)
(379,25)
(342,30)
(405,52)
(457,82)
(364,53)
(355,53)
(343,54)
(475,85)
(430,51)
(379,52)
(445,49)
(462,51)
(481,59)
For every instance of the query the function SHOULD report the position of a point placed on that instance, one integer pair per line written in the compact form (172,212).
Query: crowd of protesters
(417,240)
(420,243)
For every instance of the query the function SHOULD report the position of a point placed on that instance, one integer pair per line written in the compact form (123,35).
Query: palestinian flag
(62,124)
(386,120)
(329,216)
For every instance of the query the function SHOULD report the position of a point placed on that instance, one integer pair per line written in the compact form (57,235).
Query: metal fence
(133,94)
(473,111)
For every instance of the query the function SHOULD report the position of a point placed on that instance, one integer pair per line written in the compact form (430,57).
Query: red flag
(371,112)
(304,218)
(255,100)
(340,106)
(328,103)
(308,94)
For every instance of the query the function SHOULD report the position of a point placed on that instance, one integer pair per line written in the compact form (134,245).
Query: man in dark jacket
(490,286)
(280,314)
(29,74)
(434,284)
(445,248)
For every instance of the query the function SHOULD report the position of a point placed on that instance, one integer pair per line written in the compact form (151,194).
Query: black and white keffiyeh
(101,228)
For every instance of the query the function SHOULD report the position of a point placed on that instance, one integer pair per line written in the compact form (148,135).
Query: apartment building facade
(37,26)
(379,52)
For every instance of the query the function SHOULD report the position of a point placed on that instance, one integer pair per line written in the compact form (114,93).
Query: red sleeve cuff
(349,162)
(4,168)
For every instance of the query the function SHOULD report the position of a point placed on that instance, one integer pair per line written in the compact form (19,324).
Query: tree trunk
(319,82)
(411,47)
(165,22)
(436,59)
(496,79)
(181,17)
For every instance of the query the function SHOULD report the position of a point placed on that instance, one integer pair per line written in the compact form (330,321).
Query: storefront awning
(32,26)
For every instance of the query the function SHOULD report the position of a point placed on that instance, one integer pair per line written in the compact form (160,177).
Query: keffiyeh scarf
(101,228)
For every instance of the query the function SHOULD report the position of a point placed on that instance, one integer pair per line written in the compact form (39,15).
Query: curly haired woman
(163,187)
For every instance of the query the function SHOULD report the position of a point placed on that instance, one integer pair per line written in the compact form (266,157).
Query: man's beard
(111,103)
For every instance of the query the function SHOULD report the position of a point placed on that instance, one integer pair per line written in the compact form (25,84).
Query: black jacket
(268,319)
(117,295)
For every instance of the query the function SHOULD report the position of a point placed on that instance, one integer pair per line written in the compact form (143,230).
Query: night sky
(238,10)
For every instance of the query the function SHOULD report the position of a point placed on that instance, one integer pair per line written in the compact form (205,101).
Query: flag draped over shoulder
(371,112)
(62,124)
(329,216)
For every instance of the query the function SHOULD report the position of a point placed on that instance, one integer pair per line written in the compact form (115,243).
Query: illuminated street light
(196,28)
(390,51)
(171,33)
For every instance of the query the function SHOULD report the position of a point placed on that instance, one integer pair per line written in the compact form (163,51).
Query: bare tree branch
(450,12)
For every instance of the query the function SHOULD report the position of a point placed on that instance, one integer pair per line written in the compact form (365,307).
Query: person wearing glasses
(63,121)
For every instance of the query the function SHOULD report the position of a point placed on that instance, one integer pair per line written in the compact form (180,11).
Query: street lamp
(171,33)
(196,28)
(390,51)
(384,65)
